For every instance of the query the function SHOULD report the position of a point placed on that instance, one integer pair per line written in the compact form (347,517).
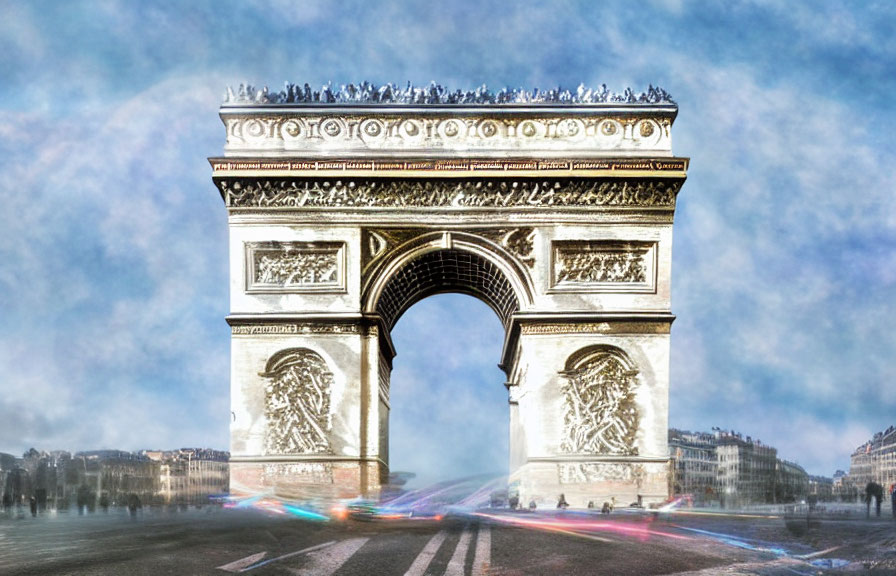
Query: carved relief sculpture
(246,193)
(600,415)
(596,264)
(518,241)
(294,266)
(297,403)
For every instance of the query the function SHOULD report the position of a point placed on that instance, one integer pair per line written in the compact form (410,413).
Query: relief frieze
(598,264)
(582,473)
(448,193)
(295,266)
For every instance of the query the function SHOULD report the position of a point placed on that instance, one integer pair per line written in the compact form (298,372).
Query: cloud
(113,239)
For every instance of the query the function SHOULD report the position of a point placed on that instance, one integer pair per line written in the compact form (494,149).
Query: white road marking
(290,555)
(456,564)
(238,565)
(325,562)
(421,562)
(483,555)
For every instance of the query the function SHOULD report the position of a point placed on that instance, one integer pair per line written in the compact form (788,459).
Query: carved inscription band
(646,167)
(596,328)
(448,193)
(293,328)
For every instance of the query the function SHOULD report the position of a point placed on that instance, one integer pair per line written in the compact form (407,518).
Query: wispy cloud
(113,240)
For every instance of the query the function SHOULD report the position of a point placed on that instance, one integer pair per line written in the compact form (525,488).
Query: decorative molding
(486,131)
(372,193)
(595,328)
(298,472)
(378,242)
(600,414)
(582,473)
(297,403)
(295,267)
(518,241)
(603,266)
(292,328)
(451,167)
(435,94)
(384,373)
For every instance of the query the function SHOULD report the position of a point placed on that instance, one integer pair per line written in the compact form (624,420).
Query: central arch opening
(448,270)
(449,413)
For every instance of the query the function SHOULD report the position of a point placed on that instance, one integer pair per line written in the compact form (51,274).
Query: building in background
(791,482)
(822,488)
(747,470)
(189,476)
(103,478)
(694,465)
(873,461)
(726,468)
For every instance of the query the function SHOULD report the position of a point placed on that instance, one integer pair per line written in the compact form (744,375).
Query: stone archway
(558,216)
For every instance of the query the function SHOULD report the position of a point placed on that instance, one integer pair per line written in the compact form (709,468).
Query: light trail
(581,526)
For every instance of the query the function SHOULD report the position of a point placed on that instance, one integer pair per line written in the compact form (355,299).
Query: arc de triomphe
(345,209)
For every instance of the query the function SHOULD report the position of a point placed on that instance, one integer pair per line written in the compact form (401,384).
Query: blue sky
(113,265)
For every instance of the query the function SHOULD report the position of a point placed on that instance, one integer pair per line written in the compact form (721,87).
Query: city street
(220,541)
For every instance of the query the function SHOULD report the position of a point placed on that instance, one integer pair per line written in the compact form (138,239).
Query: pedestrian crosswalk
(327,558)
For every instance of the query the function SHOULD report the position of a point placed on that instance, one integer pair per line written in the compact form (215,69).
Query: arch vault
(557,214)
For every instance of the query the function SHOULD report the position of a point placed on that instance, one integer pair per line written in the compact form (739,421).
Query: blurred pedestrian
(562,504)
(876,491)
(893,497)
(33,503)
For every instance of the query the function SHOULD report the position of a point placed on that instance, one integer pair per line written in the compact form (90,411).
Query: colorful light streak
(273,505)
(581,526)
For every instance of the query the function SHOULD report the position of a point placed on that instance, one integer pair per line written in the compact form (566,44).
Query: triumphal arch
(554,208)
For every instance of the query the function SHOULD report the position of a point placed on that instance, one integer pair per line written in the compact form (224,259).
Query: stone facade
(725,468)
(558,216)
(874,461)
(695,467)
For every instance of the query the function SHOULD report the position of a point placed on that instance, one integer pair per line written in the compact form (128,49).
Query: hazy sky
(113,239)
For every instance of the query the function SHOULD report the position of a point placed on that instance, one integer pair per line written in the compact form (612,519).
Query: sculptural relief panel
(600,410)
(603,266)
(295,267)
(297,403)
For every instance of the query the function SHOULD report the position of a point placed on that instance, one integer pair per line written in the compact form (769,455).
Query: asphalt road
(219,542)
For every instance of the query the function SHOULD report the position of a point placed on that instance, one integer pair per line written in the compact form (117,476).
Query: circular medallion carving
(254,129)
(646,129)
(570,128)
(452,129)
(331,128)
(488,128)
(609,128)
(410,129)
(530,129)
(372,129)
(291,129)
